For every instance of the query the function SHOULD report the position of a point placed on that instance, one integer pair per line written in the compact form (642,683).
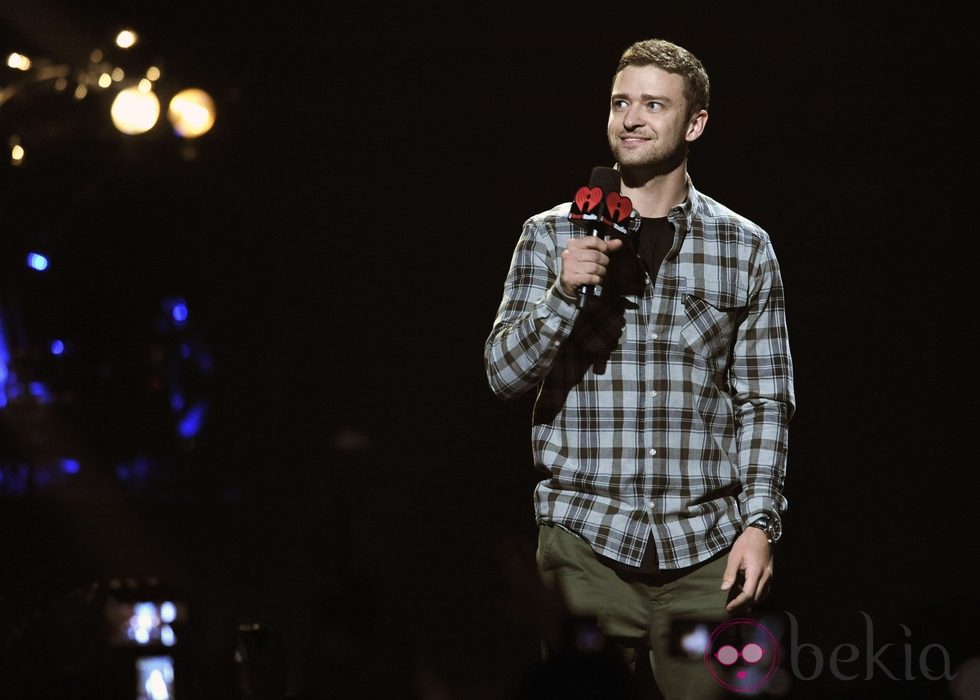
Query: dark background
(341,238)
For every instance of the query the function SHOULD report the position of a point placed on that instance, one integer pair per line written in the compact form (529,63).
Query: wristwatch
(769,524)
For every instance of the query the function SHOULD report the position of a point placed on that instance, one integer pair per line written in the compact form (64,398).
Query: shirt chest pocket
(711,317)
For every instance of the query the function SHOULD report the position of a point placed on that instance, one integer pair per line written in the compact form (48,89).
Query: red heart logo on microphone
(588,196)
(619,207)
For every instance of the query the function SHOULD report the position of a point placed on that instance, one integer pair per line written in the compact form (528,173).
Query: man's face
(648,125)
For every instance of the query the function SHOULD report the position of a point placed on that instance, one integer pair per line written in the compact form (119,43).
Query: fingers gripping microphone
(599,209)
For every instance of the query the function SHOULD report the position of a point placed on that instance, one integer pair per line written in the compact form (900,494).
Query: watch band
(769,524)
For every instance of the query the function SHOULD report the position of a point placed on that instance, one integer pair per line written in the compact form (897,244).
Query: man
(660,422)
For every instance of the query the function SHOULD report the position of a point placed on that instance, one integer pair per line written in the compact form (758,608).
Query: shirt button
(653,453)
(653,504)
(653,336)
(653,393)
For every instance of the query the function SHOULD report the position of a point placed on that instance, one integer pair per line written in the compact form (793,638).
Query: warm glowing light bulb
(191,113)
(18,61)
(17,154)
(126,38)
(134,111)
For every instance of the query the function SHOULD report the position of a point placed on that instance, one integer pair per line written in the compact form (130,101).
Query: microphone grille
(608,179)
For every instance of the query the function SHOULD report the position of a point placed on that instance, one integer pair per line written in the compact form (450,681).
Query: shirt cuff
(566,308)
(756,506)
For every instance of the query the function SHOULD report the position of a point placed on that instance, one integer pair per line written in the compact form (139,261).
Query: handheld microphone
(600,209)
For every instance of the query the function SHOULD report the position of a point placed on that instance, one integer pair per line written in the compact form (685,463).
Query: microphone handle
(586,290)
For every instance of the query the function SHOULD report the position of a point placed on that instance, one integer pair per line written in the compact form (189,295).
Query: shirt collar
(682,215)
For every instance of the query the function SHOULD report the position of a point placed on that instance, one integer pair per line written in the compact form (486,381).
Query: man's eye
(654,106)
(619,104)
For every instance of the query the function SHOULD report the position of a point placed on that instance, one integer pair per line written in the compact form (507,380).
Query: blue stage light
(37,261)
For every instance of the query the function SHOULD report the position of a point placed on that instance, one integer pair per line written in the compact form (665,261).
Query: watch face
(770,525)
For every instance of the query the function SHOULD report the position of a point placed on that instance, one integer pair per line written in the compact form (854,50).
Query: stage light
(179,312)
(40,391)
(37,262)
(126,39)
(135,111)
(191,112)
(190,425)
(135,108)
(18,61)
(168,611)
(57,347)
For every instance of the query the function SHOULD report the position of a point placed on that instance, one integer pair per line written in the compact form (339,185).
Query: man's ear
(696,126)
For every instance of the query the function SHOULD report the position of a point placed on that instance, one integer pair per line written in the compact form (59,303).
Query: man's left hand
(751,555)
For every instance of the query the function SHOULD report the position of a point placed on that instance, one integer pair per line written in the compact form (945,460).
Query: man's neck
(655,194)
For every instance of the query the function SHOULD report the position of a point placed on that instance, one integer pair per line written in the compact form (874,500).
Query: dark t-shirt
(643,251)
(652,243)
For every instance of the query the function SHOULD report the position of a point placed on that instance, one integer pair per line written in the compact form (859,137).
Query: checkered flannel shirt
(662,408)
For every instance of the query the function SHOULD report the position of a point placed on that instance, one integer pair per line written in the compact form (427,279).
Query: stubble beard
(660,159)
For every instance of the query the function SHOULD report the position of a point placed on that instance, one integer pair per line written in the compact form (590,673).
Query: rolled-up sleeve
(761,375)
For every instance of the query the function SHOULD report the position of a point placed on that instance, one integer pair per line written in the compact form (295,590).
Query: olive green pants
(644,615)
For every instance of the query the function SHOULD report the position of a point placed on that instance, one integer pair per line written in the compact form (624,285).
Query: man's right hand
(584,262)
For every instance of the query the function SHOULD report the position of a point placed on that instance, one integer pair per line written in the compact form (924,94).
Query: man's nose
(631,119)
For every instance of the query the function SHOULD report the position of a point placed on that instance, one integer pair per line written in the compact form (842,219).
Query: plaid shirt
(662,408)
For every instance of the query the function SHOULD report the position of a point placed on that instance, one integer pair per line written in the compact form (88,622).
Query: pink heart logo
(587,199)
(619,207)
